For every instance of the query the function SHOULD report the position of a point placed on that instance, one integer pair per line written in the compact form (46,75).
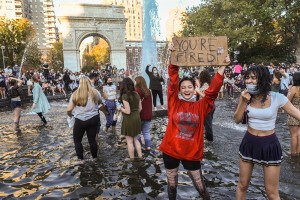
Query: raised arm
(19,82)
(291,93)
(222,68)
(239,113)
(147,70)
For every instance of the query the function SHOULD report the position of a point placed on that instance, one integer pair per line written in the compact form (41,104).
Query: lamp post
(2,48)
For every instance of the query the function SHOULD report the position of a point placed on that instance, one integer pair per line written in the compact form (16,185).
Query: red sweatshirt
(184,135)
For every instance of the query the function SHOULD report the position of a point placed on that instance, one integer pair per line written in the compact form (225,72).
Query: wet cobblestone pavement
(40,162)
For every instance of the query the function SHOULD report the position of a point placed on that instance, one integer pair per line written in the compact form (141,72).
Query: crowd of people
(191,93)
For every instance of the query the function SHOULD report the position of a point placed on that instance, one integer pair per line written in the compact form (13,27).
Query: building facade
(174,24)
(12,9)
(40,13)
(134,55)
(134,14)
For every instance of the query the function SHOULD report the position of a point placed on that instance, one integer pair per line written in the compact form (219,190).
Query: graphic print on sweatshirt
(187,124)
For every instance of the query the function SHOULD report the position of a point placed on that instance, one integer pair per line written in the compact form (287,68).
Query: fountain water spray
(150,31)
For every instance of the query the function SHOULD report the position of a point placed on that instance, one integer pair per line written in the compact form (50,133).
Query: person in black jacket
(155,85)
(67,80)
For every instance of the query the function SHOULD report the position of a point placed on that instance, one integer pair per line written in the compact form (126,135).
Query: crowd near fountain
(40,153)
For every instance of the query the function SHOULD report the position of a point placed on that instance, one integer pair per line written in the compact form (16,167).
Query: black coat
(155,81)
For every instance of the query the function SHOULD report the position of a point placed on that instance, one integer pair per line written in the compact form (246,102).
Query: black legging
(89,126)
(42,117)
(208,125)
(160,95)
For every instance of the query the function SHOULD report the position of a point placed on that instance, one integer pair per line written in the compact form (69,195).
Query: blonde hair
(84,91)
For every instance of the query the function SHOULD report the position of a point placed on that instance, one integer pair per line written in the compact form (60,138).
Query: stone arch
(88,34)
(78,21)
(85,35)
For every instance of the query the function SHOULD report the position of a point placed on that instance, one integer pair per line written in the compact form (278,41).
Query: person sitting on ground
(52,85)
(46,87)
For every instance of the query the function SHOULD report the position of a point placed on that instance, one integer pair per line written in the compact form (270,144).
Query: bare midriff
(255,132)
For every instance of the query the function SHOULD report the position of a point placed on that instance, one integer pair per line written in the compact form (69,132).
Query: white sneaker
(155,109)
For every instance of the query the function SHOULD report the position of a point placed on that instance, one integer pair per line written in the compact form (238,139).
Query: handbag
(104,109)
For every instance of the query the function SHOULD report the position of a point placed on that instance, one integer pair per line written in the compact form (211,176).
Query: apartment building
(12,9)
(134,13)
(39,12)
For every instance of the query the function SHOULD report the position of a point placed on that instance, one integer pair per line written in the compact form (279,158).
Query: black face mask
(110,83)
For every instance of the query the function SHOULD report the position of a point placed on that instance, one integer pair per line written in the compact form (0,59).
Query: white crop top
(264,118)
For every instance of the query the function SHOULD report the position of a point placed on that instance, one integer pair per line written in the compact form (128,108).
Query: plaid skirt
(262,150)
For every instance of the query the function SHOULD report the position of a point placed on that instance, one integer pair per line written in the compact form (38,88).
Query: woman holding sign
(183,140)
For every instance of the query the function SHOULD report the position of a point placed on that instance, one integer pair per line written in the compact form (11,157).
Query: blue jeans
(146,127)
(111,107)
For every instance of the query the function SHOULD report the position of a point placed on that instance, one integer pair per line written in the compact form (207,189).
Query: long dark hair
(127,87)
(204,77)
(296,79)
(263,80)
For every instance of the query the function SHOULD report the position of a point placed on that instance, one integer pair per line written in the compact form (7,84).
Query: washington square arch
(79,21)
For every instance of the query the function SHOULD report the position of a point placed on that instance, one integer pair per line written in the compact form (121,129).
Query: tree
(55,56)
(14,35)
(258,29)
(99,53)
(33,55)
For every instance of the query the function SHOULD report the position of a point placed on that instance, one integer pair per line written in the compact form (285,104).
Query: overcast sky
(163,8)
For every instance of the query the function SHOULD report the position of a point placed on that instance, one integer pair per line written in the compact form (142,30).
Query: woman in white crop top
(260,144)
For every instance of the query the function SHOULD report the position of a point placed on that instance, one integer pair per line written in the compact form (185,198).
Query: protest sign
(199,51)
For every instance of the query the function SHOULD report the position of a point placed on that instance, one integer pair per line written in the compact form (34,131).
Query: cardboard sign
(199,51)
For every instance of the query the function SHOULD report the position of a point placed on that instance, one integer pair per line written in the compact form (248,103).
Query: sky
(163,8)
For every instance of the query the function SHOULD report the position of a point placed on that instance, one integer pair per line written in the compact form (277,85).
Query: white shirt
(284,81)
(264,118)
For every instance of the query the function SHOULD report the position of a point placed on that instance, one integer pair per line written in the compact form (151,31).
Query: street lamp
(2,48)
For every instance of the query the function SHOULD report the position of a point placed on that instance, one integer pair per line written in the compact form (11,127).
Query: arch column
(72,60)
